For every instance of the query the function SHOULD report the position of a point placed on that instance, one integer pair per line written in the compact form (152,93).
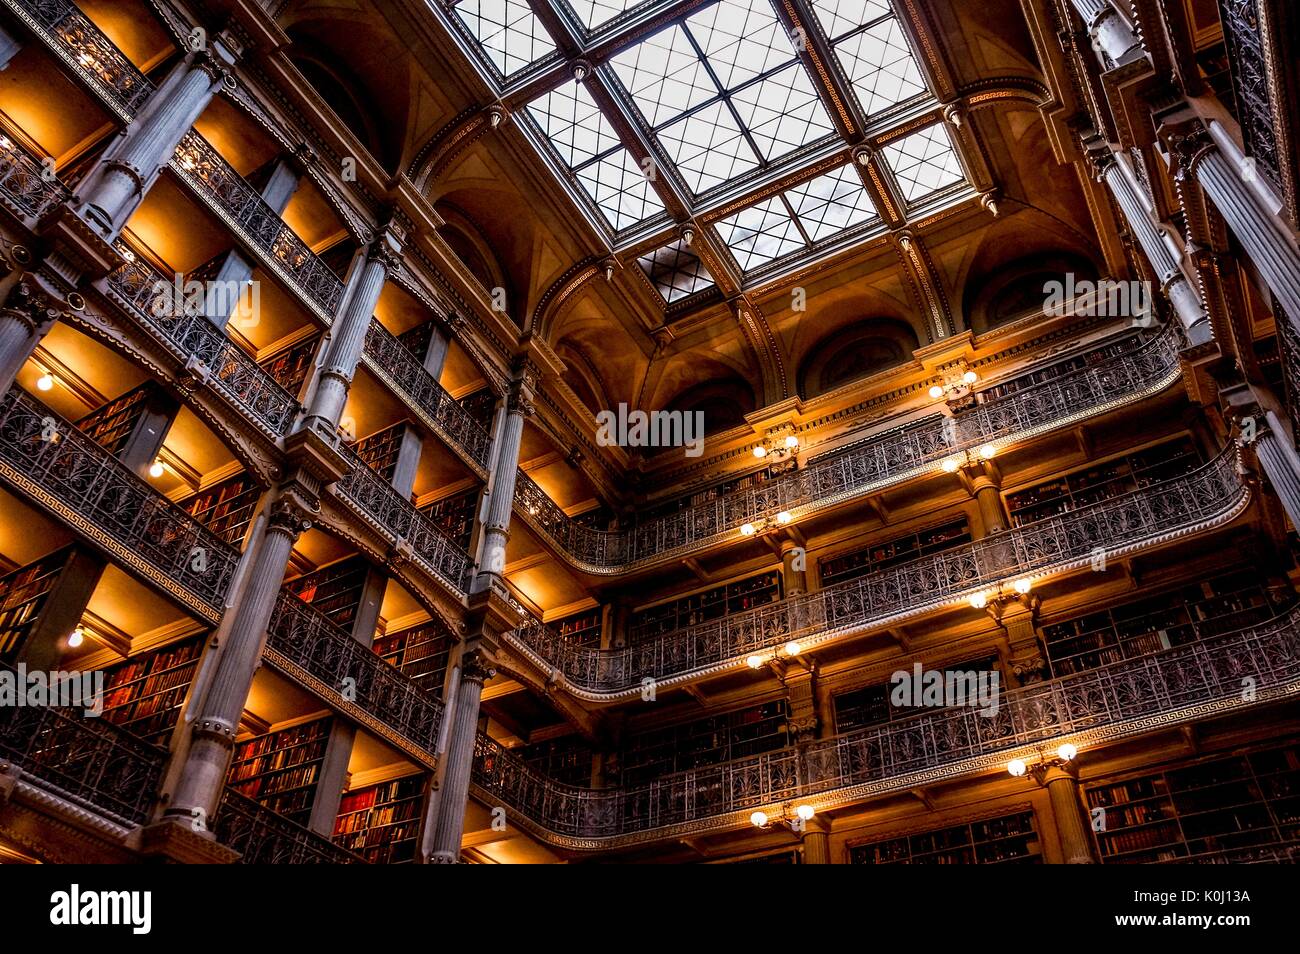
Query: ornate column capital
(288,516)
(386,251)
(1045,773)
(476,666)
(27,303)
(1187,140)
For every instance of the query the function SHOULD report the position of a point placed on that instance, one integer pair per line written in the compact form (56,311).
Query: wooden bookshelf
(710,604)
(714,491)
(646,756)
(1008,839)
(335,590)
(454,515)
(280,770)
(112,425)
(870,705)
(379,451)
(145,693)
(1059,369)
(1103,481)
(581,629)
(1218,804)
(421,652)
(567,759)
(480,405)
(382,822)
(226,508)
(290,366)
(1162,621)
(879,556)
(23,594)
(416,340)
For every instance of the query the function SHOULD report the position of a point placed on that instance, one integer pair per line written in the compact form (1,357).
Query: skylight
(873,50)
(675,271)
(595,13)
(508,32)
(924,162)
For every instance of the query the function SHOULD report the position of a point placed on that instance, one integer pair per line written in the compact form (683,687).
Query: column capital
(386,251)
(1046,773)
(1186,138)
(29,304)
(289,516)
(476,666)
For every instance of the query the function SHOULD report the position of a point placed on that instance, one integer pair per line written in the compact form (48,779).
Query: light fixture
(1067,751)
(792,648)
(156,469)
(951,464)
(785,516)
(688,236)
(970,377)
(806,812)
(5,144)
(748,529)
(128,255)
(955,387)
(1017,767)
(791,441)
(978,600)
(754,662)
(760,451)
(1023,585)
(936,391)
(77,637)
(987,451)
(758,819)
(793,817)
(45,382)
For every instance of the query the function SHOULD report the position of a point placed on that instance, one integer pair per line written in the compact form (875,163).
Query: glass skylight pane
(595,12)
(839,17)
(924,162)
(675,271)
(783,112)
(741,39)
(761,233)
(573,123)
(664,75)
(831,203)
(880,66)
(708,147)
(509,33)
(620,190)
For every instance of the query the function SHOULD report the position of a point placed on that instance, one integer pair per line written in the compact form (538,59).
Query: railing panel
(264,838)
(25,185)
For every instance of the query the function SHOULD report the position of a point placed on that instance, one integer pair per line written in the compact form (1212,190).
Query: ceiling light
(805,812)
(77,638)
(792,648)
(760,451)
(785,516)
(747,529)
(951,464)
(987,451)
(1067,751)
(1023,586)
(970,377)
(979,600)
(936,391)
(156,469)
(1017,767)
(45,382)
(754,662)
(758,819)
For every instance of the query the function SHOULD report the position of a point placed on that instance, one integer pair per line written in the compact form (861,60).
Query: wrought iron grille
(86,759)
(869,466)
(264,838)
(391,359)
(1069,539)
(1250,86)
(200,166)
(85,48)
(60,466)
(240,379)
(24,183)
(376,499)
(1108,702)
(307,638)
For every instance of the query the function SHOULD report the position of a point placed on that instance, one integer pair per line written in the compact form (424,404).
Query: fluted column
(1281,464)
(348,333)
(1062,784)
(453,793)
(794,567)
(984,483)
(501,489)
(208,756)
(816,843)
(1111,35)
(132,167)
(25,317)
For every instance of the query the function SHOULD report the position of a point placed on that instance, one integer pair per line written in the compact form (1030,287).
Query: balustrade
(25,183)
(264,838)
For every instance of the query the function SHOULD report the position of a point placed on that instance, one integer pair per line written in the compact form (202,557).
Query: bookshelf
(379,451)
(1059,369)
(145,693)
(733,735)
(714,491)
(1222,803)
(597,518)
(567,759)
(416,340)
(289,366)
(1103,481)
(870,705)
(580,629)
(23,594)
(112,425)
(879,556)
(794,856)
(1174,618)
(382,822)
(1007,839)
(480,405)
(226,508)
(734,597)
(335,590)
(454,515)
(421,652)
(280,769)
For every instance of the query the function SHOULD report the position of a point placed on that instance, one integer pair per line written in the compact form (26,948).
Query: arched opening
(856,352)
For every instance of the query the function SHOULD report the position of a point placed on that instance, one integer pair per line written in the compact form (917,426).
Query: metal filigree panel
(25,185)
(264,838)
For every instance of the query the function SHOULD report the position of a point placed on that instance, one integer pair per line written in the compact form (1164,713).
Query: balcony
(83,47)
(411,531)
(141,289)
(867,467)
(242,208)
(1102,705)
(1208,497)
(392,363)
(67,473)
(264,838)
(303,643)
(24,186)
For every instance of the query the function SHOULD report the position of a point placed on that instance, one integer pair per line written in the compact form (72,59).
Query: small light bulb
(936,391)
(156,469)
(792,648)
(5,144)
(970,377)
(987,451)
(805,812)
(1017,767)
(754,662)
(128,255)
(785,516)
(1067,751)
(758,819)
(1023,586)
(950,465)
(760,451)
(791,442)
(979,600)
(77,638)
(44,382)
(747,529)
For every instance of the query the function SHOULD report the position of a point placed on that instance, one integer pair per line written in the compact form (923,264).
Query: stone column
(118,187)
(1062,784)
(10,46)
(1281,464)
(501,486)
(207,760)
(984,483)
(816,842)
(1023,661)
(453,794)
(25,318)
(1111,35)
(794,567)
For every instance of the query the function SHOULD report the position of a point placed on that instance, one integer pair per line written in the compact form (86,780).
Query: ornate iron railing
(351,671)
(867,466)
(264,838)
(242,207)
(25,184)
(60,467)
(376,500)
(84,47)
(391,360)
(1111,702)
(1248,60)
(151,297)
(1212,493)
